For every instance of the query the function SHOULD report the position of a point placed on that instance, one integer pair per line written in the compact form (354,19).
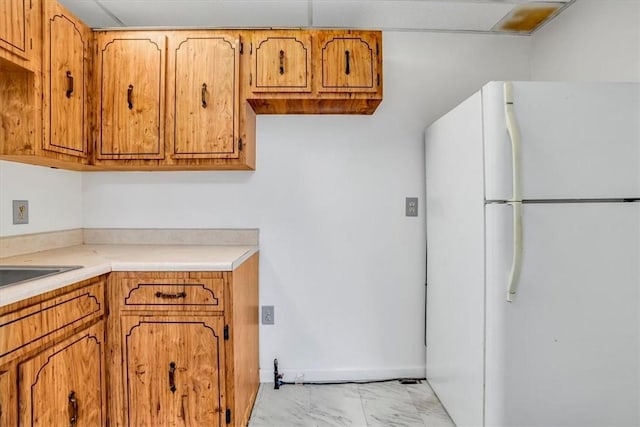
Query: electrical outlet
(411,206)
(21,212)
(267,315)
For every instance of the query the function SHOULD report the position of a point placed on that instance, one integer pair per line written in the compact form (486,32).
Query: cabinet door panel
(8,404)
(282,62)
(206,83)
(66,82)
(14,21)
(131,80)
(173,370)
(349,63)
(65,381)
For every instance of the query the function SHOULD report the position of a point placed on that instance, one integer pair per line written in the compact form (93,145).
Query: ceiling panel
(212,13)
(90,13)
(408,14)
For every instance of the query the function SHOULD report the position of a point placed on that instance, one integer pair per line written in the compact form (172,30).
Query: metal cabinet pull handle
(172,377)
(282,62)
(204,95)
(347,68)
(130,96)
(171,296)
(69,84)
(73,409)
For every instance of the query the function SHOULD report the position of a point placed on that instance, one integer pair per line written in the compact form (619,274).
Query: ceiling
(502,16)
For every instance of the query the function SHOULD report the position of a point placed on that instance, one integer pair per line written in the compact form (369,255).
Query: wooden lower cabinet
(64,385)
(174,370)
(52,358)
(183,347)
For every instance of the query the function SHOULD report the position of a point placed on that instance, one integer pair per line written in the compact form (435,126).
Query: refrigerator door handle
(516,199)
(516,262)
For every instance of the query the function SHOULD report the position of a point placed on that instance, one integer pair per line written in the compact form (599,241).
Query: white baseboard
(328,375)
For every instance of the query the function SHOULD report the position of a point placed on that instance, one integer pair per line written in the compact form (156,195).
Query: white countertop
(101,259)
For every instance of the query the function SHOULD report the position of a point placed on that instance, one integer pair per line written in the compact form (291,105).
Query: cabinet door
(173,370)
(204,97)
(349,61)
(282,62)
(64,385)
(14,27)
(66,51)
(7,396)
(131,85)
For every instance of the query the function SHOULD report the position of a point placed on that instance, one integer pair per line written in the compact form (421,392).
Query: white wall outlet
(267,315)
(411,206)
(21,212)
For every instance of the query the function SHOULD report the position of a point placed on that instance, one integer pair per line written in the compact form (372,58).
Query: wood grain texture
(242,348)
(131,77)
(16,32)
(47,381)
(28,328)
(333,91)
(8,395)
(203,94)
(67,46)
(172,294)
(174,370)
(281,61)
(17,113)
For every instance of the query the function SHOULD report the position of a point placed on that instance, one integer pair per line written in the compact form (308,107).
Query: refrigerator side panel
(455,261)
(566,351)
(578,140)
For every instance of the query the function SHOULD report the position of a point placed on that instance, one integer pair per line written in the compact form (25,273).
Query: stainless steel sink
(13,274)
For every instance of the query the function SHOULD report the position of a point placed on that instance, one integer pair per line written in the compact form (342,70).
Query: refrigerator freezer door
(578,140)
(566,351)
(455,261)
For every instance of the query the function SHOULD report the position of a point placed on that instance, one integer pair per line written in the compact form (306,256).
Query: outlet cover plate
(21,212)
(267,315)
(411,206)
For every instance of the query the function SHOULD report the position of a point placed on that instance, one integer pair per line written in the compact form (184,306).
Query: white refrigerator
(533,255)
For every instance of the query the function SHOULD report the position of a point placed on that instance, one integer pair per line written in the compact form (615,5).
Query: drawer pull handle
(204,95)
(130,97)
(69,84)
(171,296)
(73,409)
(282,62)
(172,377)
(347,68)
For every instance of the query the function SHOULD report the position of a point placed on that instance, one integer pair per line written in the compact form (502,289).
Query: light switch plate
(411,206)
(21,212)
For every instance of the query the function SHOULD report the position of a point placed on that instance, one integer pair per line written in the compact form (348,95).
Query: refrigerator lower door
(565,352)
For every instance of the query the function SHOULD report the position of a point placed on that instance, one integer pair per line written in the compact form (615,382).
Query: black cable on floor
(401,380)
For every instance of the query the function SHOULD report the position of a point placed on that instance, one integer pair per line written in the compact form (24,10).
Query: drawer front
(172,294)
(27,328)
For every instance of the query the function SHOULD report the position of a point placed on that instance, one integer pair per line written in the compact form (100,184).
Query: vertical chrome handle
(130,97)
(73,409)
(172,377)
(204,95)
(69,84)
(282,62)
(347,67)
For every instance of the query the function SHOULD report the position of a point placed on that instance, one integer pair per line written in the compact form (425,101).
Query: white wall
(592,40)
(339,260)
(54,195)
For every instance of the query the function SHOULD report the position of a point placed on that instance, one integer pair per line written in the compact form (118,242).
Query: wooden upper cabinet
(349,61)
(131,81)
(15,36)
(203,82)
(281,61)
(67,44)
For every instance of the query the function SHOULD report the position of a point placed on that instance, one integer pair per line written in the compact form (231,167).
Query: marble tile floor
(386,404)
